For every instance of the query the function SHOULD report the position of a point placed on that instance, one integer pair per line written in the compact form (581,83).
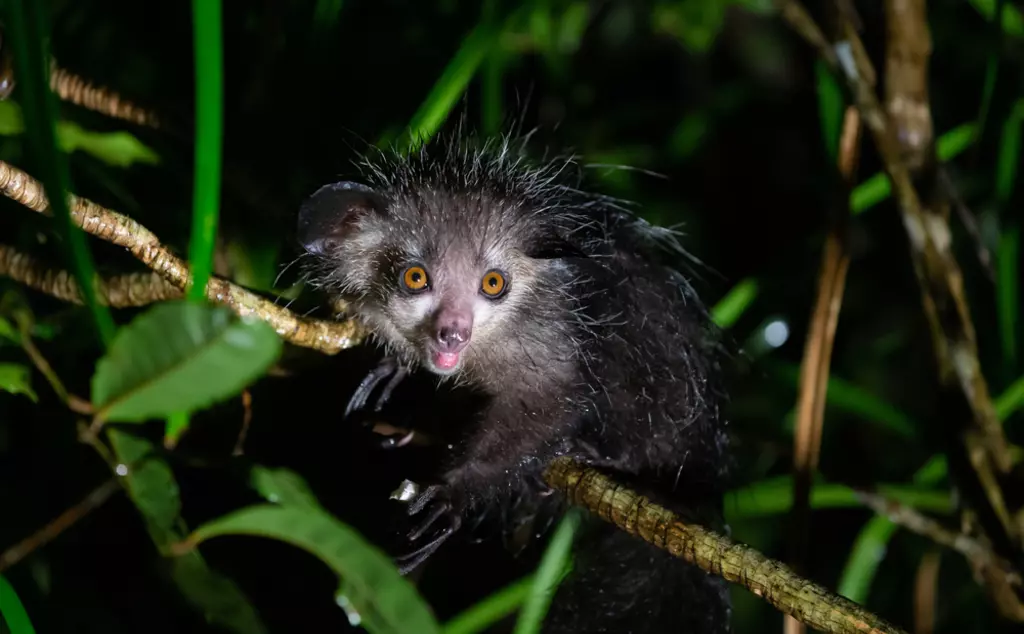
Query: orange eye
(415,278)
(493,284)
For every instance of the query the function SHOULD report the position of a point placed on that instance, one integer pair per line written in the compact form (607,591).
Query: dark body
(592,347)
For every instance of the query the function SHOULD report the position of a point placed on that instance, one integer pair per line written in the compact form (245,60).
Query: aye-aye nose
(453,329)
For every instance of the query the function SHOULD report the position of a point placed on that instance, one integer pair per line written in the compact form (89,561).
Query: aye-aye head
(446,280)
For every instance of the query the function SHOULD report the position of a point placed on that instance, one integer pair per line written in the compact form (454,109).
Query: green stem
(209,133)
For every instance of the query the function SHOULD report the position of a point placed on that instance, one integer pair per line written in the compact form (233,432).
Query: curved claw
(388,366)
(438,499)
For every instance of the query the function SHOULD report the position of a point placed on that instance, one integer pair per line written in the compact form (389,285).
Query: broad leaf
(218,597)
(283,487)
(8,331)
(373,593)
(154,491)
(150,484)
(17,379)
(120,148)
(180,357)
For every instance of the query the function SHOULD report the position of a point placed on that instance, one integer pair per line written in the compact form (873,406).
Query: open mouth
(444,362)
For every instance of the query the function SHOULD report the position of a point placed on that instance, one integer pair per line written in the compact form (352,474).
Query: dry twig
(46,534)
(926,590)
(325,336)
(769,579)
(912,520)
(938,274)
(814,370)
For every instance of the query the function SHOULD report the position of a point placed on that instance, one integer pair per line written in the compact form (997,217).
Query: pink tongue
(446,360)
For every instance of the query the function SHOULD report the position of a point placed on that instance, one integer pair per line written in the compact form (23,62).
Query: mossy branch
(767,578)
(325,336)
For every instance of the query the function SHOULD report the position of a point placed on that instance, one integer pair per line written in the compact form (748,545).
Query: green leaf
(735,303)
(150,484)
(695,23)
(856,400)
(1008,293)
(552,569)
(877,188)
(867,553)
(490,610)
(831,105)
(284,487)
(180,357)
(870,545)
(1010,400)
(119,148)
(775,496)
(7,329)
(12,611)
(17,379)
(218,597)
(1013,21)
(152,488)
(375,595)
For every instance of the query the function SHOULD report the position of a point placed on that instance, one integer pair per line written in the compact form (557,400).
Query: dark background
(752,192)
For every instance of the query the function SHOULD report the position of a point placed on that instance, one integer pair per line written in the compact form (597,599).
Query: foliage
(716,96)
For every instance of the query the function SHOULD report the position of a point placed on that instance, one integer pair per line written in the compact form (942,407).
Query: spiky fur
(600,351)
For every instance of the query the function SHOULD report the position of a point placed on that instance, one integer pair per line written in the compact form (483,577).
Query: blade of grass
(1008,294)
(870,544)
(495,607)
(209,54)
(1008,289)
(452,83)
(729,309)
(1011,400)
(775,497)
(12,611)
(877,188)
(1013,22)
(992,66)
(855,400)
(27,32)
(553,566)
(872,541)
(831,105)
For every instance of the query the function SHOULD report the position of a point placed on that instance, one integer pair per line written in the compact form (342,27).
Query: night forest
(174,452)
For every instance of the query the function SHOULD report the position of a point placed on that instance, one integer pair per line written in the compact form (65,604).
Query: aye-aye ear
(331,211)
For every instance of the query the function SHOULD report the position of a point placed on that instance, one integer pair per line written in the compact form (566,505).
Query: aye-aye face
(444,280)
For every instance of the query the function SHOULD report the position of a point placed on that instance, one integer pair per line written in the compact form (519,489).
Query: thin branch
(246,421)
(908,51)
(120,291)
(938,274)
(814,368)
(926,590)
(325,336)
(81,92)
(65,520)
(718,555)
(916,522)
(74,403)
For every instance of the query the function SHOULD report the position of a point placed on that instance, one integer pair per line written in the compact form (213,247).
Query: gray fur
(597,350)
